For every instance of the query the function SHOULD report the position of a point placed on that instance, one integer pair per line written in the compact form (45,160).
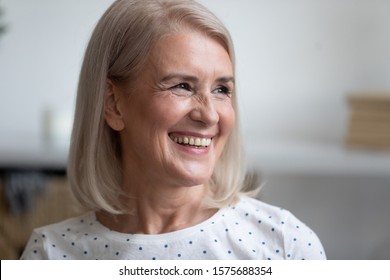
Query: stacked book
(369,123)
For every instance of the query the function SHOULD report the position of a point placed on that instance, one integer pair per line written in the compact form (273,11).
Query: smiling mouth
(191,141)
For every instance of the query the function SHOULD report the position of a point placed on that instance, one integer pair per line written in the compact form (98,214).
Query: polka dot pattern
(250,229)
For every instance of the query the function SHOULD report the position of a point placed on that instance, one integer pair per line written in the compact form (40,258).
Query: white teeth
(192,141)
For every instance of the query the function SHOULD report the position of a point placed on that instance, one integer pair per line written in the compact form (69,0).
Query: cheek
(165,112)
(227,119)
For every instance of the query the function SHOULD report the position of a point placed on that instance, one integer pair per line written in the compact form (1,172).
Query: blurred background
(314,88)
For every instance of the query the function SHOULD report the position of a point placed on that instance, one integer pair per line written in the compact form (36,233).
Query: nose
(204,111)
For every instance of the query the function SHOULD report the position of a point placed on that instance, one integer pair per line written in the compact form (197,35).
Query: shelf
(267,157)
(318,158)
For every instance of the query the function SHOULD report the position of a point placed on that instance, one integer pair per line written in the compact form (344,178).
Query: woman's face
(178,114)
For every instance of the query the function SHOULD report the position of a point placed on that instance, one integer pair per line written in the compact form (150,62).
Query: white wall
(296,61)
(40,58)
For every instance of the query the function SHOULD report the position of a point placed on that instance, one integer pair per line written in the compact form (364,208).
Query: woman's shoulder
(45,237)
(72,224)
(278,218)
(255,207)
(255,211)
(298,240)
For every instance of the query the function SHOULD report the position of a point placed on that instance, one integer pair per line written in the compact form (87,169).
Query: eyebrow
(194,79)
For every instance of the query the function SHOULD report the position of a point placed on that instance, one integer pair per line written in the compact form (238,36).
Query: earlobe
(112,113)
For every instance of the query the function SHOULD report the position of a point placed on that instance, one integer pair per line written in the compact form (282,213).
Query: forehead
(190,51)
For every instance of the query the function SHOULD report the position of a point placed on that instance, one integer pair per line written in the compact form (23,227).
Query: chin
(191,174)
(193,179)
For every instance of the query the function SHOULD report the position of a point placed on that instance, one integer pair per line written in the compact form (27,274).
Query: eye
(184,86)
(222,90)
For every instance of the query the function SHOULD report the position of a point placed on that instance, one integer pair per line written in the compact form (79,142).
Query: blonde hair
(118,49)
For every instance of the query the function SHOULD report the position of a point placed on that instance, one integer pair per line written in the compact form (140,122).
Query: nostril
(205,114)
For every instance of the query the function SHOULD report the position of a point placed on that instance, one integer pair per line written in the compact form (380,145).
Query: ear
(112,112)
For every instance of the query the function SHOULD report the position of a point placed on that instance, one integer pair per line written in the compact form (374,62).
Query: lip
(193,134)
(192,150)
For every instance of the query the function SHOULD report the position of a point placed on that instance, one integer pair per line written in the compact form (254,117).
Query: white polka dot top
(251,229)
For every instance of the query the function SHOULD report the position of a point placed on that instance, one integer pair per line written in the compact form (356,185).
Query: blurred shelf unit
(316,158)
(364,151)
(33,191)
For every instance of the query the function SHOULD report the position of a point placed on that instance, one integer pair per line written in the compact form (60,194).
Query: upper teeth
(193,141)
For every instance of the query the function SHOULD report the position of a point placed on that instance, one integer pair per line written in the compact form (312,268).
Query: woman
(155,153)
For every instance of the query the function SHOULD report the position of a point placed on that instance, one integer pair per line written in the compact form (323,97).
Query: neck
(158,209)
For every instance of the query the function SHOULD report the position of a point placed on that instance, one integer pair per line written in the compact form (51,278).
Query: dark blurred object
(369,123)
(54,204)
(3,28)
(21,189)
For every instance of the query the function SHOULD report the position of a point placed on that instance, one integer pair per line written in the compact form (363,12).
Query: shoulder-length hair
(117,51)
